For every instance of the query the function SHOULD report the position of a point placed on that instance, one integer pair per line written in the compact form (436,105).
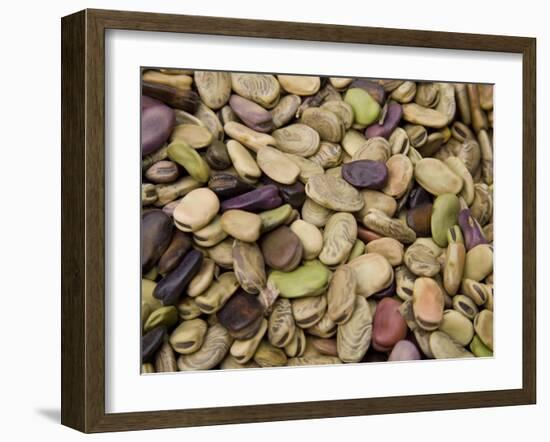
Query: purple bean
(392,119)
(418,197)
(404,351)
(471,230)
(293,194)
(384,293)
(263,198)
(366,174)
(157,122)
(151,341)
(171,287)
(251,114)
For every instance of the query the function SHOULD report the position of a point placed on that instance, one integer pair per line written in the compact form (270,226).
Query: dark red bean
(172,256)
(156,234)
(420,219)
(282,249)
(241,315)
(389,326)
(226,185)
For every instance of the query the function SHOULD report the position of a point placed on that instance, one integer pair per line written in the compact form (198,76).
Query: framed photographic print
(270,220)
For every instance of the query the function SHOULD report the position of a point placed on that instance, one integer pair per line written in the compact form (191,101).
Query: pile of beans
(301,220)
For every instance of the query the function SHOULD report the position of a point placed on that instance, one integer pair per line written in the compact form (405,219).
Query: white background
(128,391)
(30,234)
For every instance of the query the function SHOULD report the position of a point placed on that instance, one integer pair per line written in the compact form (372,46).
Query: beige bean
(169,192)
(404,280)
(202,279)
(243,350)
(353,140)
(307,167)
(214,348)
(380,223)
(328,155)
(442,346)
(211,234)
(421,260)
(476,291)
(375,149)
(354,336)
(400,173)
(479,262)
(457,326)
(299,84)
(277,166)
(195,136)
(299,139)
(196,210)
(263,89)
(297,344)
(339,236)
(242,160)
(269,356)
(315,214)
(182,82)
(428,303)
(285,110)
(373,273)
(325,328)
(313,360)
(309,310)
(483,325)
(165,359)
(214,87)
(241,225)
(436,177)
(214,298)
(310,237)
(281,326)
(389,248)
(249,266)
(377,200)
(458,167)
(341,294)
(326,123)
(188,337)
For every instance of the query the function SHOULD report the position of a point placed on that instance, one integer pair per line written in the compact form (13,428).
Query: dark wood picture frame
(83,216)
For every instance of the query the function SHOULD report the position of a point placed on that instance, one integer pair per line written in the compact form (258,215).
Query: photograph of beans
(295,220)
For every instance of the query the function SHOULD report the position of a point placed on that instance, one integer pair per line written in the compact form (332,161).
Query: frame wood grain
(83,216)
